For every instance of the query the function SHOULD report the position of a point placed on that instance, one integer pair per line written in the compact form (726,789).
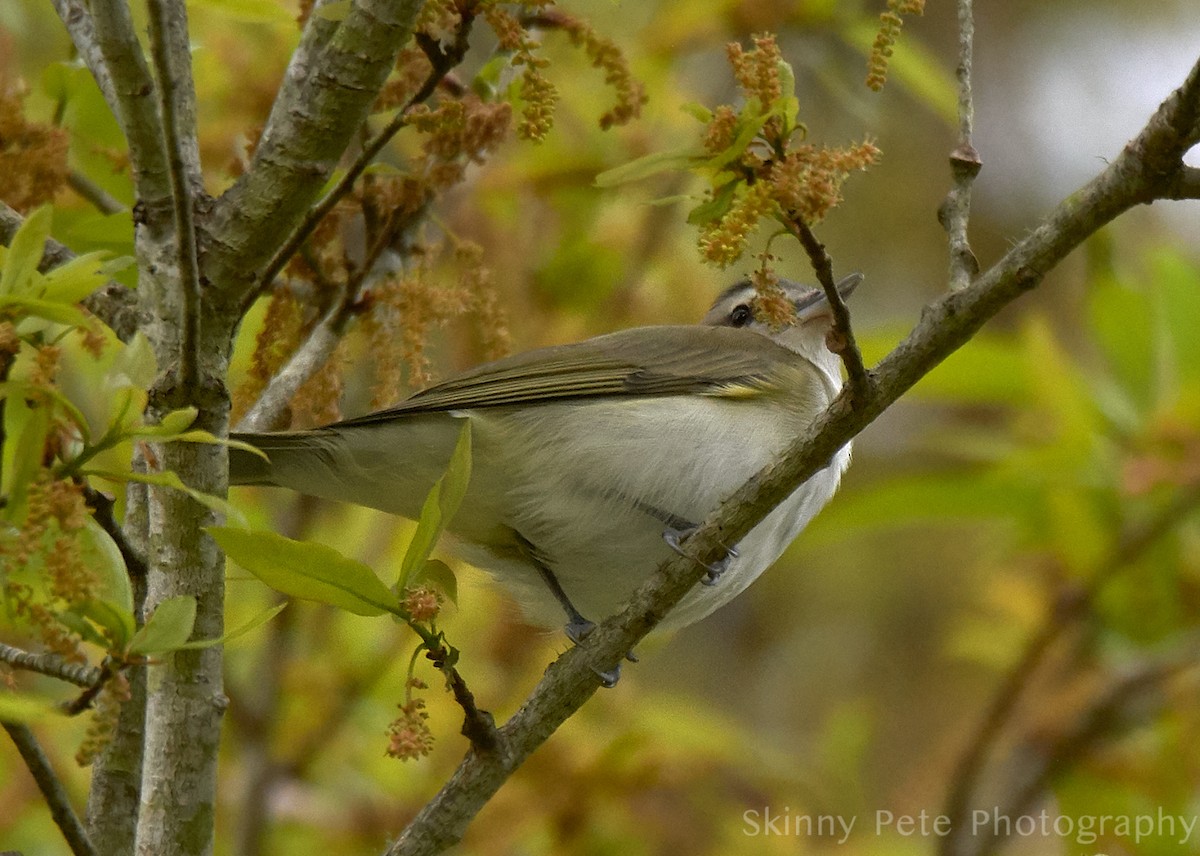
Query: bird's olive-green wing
(655,361)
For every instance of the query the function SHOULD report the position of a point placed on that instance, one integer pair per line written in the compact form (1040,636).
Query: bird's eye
(741,315)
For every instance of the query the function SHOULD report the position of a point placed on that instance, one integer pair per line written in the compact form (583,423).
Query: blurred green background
(1041,485)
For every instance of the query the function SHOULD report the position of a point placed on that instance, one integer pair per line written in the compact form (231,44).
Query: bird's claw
(674,538)
(578,629)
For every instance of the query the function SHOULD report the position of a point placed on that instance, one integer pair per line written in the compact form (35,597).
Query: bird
(591,461)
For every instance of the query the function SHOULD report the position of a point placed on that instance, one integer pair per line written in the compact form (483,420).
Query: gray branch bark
(1149,168)
(325,98)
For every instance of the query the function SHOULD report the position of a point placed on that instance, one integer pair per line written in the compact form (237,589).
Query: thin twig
(103,201)
(842,341)
(168,19)
(52,789)
(306,361)
(52,665)
(102,506)
(321,341)
(964,161)
(478,726)
(441,63)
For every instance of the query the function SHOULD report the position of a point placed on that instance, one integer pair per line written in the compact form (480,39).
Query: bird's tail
(247,467)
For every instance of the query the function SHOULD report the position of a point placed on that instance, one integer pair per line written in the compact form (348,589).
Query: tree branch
(312,120)
(1139,174)
(133,89)
(964,161)
(87,189)
(177,107)
(112,809)
(442,61)
(82,29)
(81,675)
(52,789)
(841,342)
(1105,715)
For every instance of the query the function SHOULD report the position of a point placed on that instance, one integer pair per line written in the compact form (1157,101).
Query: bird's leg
(679,528)
(577,627)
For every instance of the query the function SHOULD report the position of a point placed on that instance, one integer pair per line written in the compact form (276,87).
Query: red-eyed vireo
(590,460)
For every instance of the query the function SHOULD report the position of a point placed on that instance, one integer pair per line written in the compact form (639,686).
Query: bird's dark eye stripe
(741,315)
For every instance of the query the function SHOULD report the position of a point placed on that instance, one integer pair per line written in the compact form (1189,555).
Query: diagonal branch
(842,341)
(1141,173)
(1107,714)
(442,61)
(52,789)
(1071,609)
(82,29)
(312,121)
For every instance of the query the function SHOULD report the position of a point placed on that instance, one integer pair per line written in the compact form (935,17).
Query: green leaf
(201,436)
(168,628)
(254,623)
(17,389)
(25,430)
(440,505)
(172,480)
(307,570)
(101,554)
(134,365)
(109,616)
(715,208)
(750,123)
(25,252)
(697,111)
(438,574)
(170,427)
(59,313)
(458,474)
(429,527)
(652,164)
(75,280)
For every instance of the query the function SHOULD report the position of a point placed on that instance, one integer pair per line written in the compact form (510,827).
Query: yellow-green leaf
(168,628)
(25,252)
(307,570)
(254,623)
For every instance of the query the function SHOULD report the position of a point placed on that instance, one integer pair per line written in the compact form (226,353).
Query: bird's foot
(578,629)
(674,538)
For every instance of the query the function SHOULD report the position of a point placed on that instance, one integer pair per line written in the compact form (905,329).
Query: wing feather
(644,361)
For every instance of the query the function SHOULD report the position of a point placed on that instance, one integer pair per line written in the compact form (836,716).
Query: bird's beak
(815,304)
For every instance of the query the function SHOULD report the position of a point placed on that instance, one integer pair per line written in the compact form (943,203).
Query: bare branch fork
(1149,168)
